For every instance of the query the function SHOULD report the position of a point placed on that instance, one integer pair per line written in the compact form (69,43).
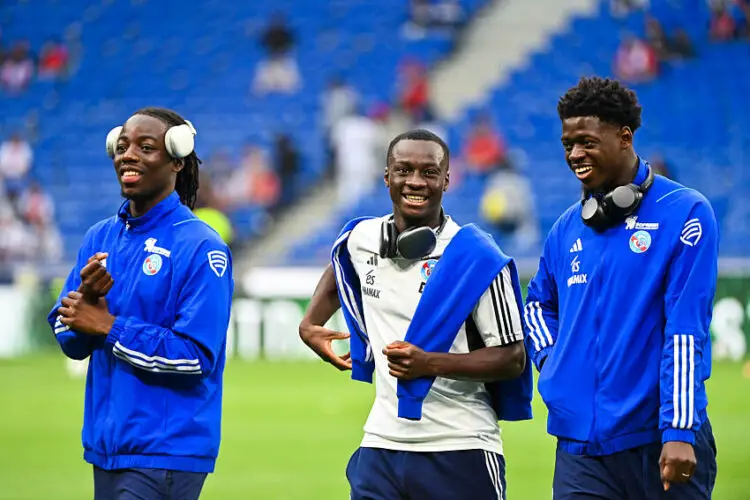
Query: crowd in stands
(19,65)
(27,212)
(640,59)
(357,129)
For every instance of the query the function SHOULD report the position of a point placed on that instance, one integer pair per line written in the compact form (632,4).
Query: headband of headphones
(179,140)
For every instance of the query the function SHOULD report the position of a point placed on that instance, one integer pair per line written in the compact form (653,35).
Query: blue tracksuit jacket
(154,384)
(620,321)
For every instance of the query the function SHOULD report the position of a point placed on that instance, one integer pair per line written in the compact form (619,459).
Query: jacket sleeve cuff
(362,371)
(684,435)
(539,357)
(410,408)
(118,328)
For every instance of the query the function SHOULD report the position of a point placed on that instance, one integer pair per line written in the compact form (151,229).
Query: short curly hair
(603,98)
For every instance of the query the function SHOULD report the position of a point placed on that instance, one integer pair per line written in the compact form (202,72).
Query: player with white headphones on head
(149,302)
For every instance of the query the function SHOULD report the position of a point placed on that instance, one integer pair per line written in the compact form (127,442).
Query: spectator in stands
(636,61)
(657,38)
(252,183)
(15,162)
(507,203)
(37,210)
(53,60)
(287,160)
(219,166)
(414,89)
(208,209)
(742,17)
(621,8)
(681,45)
(279,71)
(723,26)
(661,167)
(428,121)
(36,206)
(443,16)
(17,69)
(17,243)
(484,150)
(339,100)
(357,141)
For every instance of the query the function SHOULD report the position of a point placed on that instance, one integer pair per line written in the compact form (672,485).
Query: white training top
(456,415)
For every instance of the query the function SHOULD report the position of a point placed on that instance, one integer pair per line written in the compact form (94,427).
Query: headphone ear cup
(416,243)
(623,201)
(387,240)
(111,142)
(180,140)
(593,214)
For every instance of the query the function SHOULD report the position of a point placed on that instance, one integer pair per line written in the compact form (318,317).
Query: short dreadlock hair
(603,98)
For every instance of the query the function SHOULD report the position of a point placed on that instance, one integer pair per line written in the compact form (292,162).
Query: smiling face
(599,154)
(416,178)
(145,170)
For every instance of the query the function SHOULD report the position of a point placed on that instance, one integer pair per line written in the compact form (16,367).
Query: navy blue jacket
(154,384)
(620,322)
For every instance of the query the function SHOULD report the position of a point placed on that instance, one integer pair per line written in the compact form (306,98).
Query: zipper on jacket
(598,281)
(121,244)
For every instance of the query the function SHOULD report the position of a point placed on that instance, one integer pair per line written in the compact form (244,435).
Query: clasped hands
(85,310)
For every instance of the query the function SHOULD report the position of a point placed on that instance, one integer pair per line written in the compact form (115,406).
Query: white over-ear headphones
(179,140)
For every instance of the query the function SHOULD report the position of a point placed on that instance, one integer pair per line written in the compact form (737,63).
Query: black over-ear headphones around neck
(413,243)
(611,209)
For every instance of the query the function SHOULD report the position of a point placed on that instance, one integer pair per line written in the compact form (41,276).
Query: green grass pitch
(289,429)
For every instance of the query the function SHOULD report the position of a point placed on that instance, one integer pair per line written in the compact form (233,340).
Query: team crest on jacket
(152,264)
(640,241)
(427,267)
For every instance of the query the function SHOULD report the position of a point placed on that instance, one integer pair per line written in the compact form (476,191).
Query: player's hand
(84,317)
(320,340)
(677,463)
(407,361)
(95,279)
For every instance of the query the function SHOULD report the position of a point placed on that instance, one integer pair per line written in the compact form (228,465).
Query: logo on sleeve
(640,241)
(691,232)
(218,261)
(152,264)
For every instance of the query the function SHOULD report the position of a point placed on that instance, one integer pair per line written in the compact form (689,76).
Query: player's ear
(447,180)
(177,165)
(626,137)
(385,178)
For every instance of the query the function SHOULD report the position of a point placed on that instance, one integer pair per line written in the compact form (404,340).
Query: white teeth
(130,173)
(417,199)
(583,170)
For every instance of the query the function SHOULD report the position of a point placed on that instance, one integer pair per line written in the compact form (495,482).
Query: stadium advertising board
(266,317)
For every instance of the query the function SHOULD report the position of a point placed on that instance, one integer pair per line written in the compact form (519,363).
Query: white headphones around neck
(179,140)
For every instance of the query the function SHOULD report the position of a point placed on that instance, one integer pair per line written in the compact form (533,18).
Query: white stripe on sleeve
(676,381)
(683,391)
(156,363)
(537,326)
(691,381)
(542,323)
(509,295)
(533,333)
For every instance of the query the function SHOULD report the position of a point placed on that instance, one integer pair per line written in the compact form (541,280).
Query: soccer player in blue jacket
(618,315)
(149,302)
